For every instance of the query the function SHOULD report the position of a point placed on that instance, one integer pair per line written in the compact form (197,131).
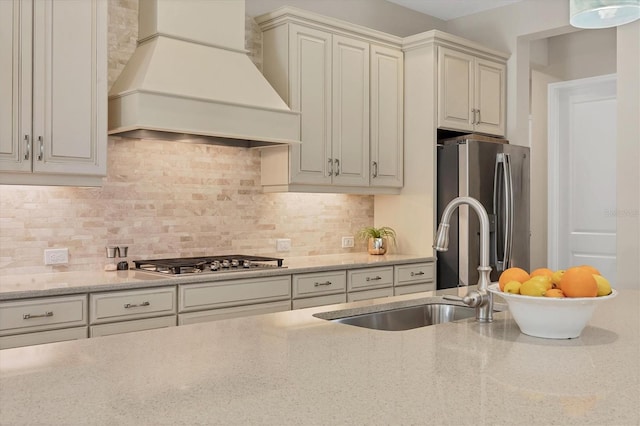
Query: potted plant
(377,238)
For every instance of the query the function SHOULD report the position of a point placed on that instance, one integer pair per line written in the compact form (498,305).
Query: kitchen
(144,206)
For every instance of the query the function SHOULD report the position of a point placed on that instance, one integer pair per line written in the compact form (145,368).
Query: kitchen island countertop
(63,283)
(291,368)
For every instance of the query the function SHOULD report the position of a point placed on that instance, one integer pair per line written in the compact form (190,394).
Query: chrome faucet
(480,299)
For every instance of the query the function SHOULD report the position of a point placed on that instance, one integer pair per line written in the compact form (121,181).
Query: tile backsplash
(169,199)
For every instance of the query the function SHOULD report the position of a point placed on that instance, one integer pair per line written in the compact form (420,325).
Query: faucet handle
(472,299)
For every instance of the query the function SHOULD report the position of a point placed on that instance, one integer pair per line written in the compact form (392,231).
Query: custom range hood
(191,79)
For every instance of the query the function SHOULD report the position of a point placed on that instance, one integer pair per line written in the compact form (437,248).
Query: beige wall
(169,199)
(582,54)
(380,15)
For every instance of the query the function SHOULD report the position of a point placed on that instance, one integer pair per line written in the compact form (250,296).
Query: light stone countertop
(62,283)
(290,368)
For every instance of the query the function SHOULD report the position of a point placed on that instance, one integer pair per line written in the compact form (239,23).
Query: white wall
(377,14)
(539,167)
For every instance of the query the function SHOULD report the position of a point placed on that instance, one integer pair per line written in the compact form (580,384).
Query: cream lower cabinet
(349,91)
(124,311)
(233,298)
(414,278)
(319,288)
(54,92)
(44,320)
(369,283)
(471,93)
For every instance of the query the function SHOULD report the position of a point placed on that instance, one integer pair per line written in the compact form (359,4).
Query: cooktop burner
(208,264)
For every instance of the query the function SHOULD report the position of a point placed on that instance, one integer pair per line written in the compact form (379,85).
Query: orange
(545,272)
(512,274)
(591,269)
(578,282)
(554,292)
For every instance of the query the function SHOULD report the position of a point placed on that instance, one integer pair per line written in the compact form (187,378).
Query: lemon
(512,287)
(546,280)
(556,277)
(533,287)
(604,288)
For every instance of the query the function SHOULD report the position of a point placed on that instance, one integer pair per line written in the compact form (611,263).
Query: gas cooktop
(208,264)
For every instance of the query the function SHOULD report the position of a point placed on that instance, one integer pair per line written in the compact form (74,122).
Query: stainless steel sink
(409,317)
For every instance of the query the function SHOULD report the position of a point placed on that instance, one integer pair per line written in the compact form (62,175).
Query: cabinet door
(350,112)
(15,85)
(387,114)
(69,86)
(310,89)
(490,97)
(455,90)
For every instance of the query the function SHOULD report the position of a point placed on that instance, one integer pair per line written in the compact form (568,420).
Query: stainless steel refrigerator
(496,174)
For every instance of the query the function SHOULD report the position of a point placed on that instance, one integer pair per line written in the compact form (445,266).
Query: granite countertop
(62,283)
(291,368)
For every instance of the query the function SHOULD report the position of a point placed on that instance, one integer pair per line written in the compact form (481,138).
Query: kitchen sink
(407,318)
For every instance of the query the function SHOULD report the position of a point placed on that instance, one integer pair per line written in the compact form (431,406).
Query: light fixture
(603,13)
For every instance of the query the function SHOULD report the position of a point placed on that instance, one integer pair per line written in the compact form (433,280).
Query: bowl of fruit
(553,305)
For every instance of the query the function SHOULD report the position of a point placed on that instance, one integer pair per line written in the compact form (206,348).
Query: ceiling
(451,9)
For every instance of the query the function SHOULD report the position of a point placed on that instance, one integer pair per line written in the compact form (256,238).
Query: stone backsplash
(169,199)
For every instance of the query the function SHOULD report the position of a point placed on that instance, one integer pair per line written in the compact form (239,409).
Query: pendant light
(603,13)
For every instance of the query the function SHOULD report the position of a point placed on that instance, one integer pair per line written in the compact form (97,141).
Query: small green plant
(373,232)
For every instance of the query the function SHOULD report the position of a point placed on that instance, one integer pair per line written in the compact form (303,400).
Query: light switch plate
(283,244)
(347,242)
(56,256)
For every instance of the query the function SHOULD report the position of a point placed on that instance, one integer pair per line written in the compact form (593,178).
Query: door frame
(553,154)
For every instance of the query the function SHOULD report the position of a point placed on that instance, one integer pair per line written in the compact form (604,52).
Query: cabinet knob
(41,154)
(132,305)
(375,169)
(413,274)
(330,161)
(317,284)
(337,163)
(27,143)
(376,278)
(46,314)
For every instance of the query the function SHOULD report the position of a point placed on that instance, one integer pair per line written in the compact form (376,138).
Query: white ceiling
(451,9)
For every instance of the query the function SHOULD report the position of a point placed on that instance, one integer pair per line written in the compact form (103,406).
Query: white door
(582,167)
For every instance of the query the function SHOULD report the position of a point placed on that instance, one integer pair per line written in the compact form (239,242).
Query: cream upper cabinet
(387,117)
(53,55)
(348,89)
(471,93)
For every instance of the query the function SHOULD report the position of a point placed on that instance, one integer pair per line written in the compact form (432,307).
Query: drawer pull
(131,305)
(413,274)
(376,278)
(317,284)
(46,314)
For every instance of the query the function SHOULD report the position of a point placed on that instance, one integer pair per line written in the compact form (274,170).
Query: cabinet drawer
(129,326)
(195,297)
(361,279)
(42,337)
(235,312)
(310,302)
(414,288)
(132,304)
(308,285)
(369,294)
(25,316)
(414,273)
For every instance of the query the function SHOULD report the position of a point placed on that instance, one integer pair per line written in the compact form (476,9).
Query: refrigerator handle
(501,186)
(509,212)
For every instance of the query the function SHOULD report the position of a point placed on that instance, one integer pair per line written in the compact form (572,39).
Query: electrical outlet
(56,256)
(283,244)
(347,242)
